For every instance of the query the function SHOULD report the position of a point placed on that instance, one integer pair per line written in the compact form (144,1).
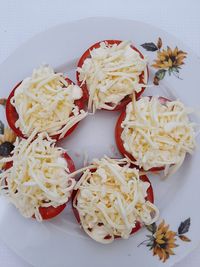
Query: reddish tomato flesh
(119,141)
(12,115)
(138,226)
(86,55)
(51,212)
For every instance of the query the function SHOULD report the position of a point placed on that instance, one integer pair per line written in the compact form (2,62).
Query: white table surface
(20,20)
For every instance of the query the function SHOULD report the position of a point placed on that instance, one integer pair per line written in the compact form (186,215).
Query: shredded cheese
(158,135)
(45,101)
(111,73)
(39,176)
(111,199)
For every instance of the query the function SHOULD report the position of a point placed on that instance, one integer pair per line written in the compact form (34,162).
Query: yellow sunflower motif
(168,60)
(7,138)
(162,240)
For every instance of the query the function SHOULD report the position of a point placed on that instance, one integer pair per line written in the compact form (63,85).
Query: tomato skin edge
(50,212)
(119,141)
(12,115)
(138,225)
(86,55)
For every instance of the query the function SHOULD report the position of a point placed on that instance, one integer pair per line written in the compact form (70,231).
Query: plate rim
(49,29)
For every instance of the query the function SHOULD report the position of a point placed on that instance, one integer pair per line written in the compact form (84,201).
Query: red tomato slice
(12,115)
(51,212)
(86,55)
(138,226)
(119,141)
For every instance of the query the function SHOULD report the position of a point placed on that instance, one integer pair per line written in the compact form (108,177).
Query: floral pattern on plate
(162,240)
(7,138)
(167,61)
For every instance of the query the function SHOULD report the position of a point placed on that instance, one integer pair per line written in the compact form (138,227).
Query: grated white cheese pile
(111,200)
(45,101)
(112,73)
(39,176)
(158,134)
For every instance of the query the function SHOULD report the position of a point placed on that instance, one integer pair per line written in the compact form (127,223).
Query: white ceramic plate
(60,242)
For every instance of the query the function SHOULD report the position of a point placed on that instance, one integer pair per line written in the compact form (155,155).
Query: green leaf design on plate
(184,227)
(151,228)
(150,47)
(174,70)
(160,74)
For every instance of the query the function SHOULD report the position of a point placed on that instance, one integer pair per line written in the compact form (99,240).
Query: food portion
(112,200)
(47,102)
(109,72)
(155,133)
(36,177)
(113,197)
